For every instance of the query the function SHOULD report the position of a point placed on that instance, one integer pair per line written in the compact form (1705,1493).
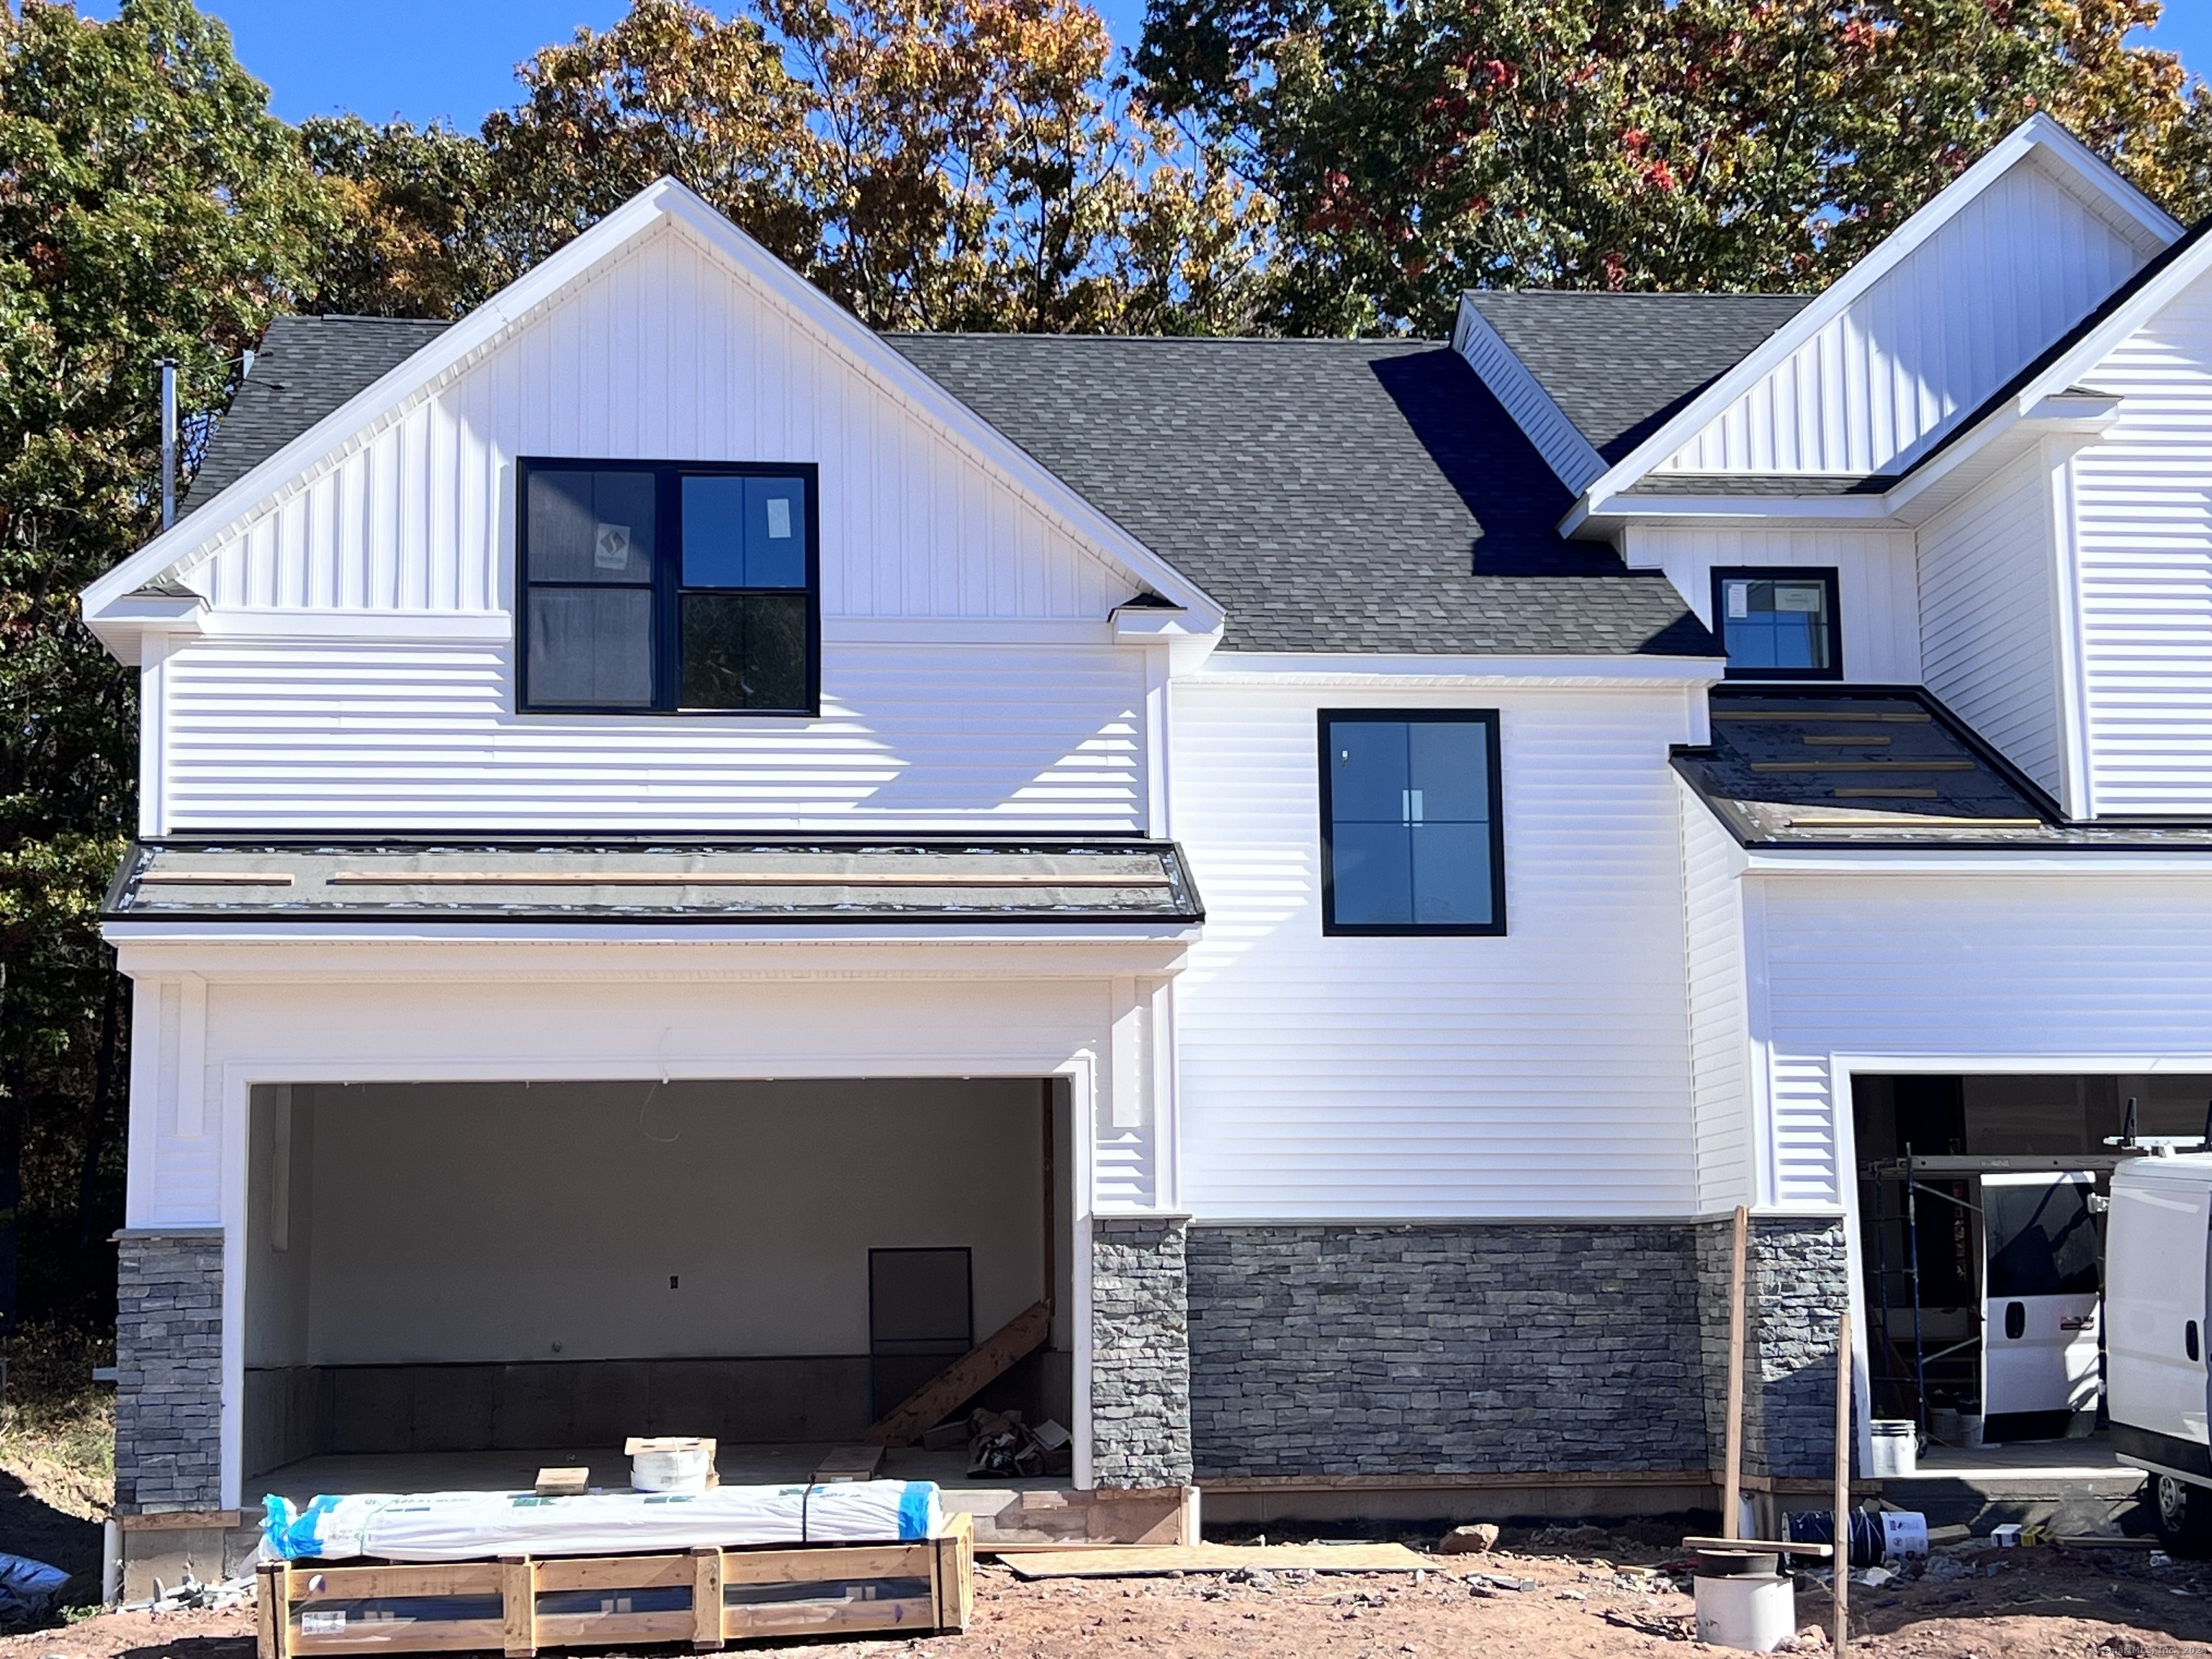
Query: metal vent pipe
(168,441)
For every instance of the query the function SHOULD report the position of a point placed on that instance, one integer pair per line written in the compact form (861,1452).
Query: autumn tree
(1419,147)
(152,209)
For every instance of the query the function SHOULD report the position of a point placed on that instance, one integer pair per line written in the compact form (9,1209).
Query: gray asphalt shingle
(1334,495)
(1619,366)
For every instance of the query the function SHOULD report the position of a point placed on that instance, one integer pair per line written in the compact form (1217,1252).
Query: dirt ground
(1981,1604)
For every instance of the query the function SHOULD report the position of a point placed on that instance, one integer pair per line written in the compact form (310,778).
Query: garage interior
(1999,1222)
(449,1283)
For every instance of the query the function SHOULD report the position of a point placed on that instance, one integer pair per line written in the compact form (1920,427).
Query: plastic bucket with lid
(1754,1612)
(1896,1449)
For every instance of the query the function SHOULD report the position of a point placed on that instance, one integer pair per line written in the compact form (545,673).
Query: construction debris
(1000,1443)
(190,1593)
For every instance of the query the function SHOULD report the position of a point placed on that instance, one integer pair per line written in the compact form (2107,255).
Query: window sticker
(1739,600)
(1797,596)
(323,1623)
(779,518)
(610,548)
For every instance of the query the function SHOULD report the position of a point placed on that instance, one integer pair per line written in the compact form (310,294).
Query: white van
(2158,1258)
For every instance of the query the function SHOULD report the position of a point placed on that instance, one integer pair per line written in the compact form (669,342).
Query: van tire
(2183,1512)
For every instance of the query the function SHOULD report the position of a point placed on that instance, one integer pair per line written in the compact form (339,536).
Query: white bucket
(670,1464)
(1754,1614)
(1904,1532)
(1896,1449)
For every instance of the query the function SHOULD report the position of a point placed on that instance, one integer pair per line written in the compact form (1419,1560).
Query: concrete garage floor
(2078,1484)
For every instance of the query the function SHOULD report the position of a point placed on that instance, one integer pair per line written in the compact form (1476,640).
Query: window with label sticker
(668,586)
(1778,624)
(1411,839)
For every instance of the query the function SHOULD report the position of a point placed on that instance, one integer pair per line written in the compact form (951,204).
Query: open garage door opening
(1980,1216)
(449,1284)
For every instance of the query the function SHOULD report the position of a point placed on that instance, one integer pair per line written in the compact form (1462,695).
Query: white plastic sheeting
(468,1526)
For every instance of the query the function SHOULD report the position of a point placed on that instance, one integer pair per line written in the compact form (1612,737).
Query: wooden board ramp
(706,1597)
(1147,1560)
(964,1378)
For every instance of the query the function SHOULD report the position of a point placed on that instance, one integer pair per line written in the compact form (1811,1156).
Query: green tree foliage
(149,208)
(1419,147)
(944,164)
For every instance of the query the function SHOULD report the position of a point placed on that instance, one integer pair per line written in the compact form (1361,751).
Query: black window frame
(667,584)
(1825,574)
(1493,746)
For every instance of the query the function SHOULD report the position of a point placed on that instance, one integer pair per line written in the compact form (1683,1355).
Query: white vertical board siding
(1959,316)
(1988,576)
(1875,586)
(330,734)
(666,353)
(2142,507)
(2004,967)
(1545,1072)
(1720,1069)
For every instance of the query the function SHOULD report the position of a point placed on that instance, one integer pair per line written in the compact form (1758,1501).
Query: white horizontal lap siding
(1988,576)
(2142,501)
(2003,968)
(1929,341)
(1874,589)
(327,734)
(1719,1054)
(1545,1072)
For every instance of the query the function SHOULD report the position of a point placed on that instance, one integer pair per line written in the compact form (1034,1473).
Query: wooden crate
(706,1598)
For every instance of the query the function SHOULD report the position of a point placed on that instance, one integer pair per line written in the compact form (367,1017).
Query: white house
(696,860)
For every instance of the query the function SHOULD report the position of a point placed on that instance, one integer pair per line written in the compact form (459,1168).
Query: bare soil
(1987,1604)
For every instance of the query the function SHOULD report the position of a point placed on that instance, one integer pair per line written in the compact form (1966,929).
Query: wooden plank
(518,1595)
(271,1606)
(182,1521)
(576,1630)
(1840,1579)
(706,1599)
(613,1572)
(571,1482)
(849,1463)
(1759,1546)
(754,1620)
(974,1370)
(409,1636)
(932,879)
(822,1566)
(1528,1480)
(952,1579)
(371,1584)
(1140,1560)
(1732,1466)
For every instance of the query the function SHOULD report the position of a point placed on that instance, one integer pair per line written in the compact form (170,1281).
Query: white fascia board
(511,308)
(2065,157)
(1557,438)
(399,954)
(1999,439)
(127,622)
(1349,669)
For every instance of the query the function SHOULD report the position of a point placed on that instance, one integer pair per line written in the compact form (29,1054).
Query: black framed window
(1412,838)
(669,586)
(1778,624)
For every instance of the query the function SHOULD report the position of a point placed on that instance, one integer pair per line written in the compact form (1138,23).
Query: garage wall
(497,1222)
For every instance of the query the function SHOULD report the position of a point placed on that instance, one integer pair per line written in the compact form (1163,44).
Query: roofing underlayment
(470,880)
(1846,766)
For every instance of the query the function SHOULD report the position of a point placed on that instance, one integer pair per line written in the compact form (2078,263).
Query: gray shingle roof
(1619,366)
(1334,495)
(307,366)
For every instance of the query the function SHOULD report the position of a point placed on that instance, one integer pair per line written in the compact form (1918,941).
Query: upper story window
(669,585)
(1411,841)
(1778,624)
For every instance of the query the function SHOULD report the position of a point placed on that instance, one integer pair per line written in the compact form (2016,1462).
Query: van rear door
(2039,1331)
(2158,1255)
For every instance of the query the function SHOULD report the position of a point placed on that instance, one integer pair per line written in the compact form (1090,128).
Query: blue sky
(422,58)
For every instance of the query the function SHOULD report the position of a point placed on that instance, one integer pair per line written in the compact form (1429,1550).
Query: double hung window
(669,585)
(1411,840)
(1778,624)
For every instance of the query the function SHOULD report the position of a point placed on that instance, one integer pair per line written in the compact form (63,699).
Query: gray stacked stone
(168,1370)
(1469,1348)
(1139,1353)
